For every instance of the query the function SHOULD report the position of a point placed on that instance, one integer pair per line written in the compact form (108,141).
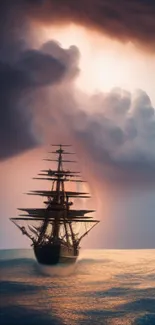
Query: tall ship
(56,230)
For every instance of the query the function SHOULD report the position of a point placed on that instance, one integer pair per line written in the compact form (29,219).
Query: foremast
(57,212)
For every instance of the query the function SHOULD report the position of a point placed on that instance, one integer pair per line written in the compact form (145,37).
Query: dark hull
(53,254)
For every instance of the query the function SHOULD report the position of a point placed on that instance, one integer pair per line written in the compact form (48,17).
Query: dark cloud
(118,136)
(23,71)
(121,138)
(125,20)
(18,82)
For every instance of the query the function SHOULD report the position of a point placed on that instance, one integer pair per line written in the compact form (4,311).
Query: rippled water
(104,287)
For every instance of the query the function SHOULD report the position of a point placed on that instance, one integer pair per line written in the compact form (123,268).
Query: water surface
(104,287)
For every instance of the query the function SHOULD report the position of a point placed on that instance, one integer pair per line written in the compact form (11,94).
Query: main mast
(59,185)
(57,215)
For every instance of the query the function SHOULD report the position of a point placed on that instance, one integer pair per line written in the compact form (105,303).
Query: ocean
(109,287)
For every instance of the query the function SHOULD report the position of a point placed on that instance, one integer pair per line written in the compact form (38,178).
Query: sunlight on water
(56,271)
(104,287)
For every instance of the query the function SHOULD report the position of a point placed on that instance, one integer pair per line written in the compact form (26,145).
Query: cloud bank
(123,20)
(120,132)
(23,71)
(115,131)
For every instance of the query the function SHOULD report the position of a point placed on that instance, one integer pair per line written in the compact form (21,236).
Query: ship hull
(54,254)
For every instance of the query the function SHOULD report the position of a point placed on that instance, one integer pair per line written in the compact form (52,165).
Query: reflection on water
(103,287)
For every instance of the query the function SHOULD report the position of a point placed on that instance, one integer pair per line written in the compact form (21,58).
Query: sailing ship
(53,228)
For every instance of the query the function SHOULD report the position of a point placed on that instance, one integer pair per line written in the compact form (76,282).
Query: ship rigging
(52,229)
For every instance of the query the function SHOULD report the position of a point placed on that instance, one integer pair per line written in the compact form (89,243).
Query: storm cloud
(120,136)
(114,131)
(24,70)
(123,20)
(121,131)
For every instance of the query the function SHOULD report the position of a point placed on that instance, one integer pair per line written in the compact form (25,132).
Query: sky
(81,73)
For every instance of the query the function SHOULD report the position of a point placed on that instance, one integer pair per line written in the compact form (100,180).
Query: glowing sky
(106,63)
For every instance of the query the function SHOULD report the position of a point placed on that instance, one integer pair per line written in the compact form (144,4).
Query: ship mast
(59,183)
(58,213)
